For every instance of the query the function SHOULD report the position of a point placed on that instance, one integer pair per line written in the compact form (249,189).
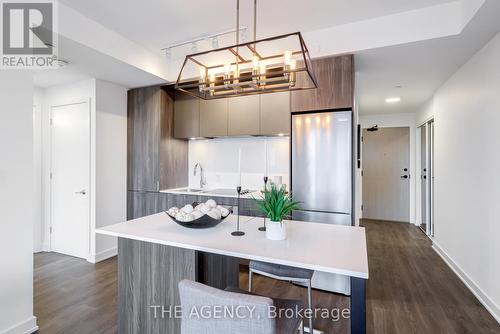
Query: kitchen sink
(189,190)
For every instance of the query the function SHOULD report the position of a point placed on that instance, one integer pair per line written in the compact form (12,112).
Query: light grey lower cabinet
(243,116)
(186,116)
(275,114)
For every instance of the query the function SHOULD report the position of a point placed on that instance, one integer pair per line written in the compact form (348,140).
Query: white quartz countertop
(209,193)
(322,247)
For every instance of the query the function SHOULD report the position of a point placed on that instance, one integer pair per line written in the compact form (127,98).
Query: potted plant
(276,204)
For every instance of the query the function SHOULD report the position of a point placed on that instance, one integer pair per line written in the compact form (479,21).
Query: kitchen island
(155,253)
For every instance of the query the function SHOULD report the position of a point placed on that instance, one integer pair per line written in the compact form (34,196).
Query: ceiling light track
(203,37)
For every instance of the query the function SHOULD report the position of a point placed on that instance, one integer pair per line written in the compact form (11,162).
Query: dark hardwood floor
(74,296)
(410,290)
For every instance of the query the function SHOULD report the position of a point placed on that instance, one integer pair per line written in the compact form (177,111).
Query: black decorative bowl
(202,222)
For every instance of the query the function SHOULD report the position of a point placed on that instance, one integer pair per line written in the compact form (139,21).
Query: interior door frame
(90,190)
(429,165)
(410,167)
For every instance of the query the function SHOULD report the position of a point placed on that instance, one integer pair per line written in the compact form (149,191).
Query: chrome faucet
(203,182)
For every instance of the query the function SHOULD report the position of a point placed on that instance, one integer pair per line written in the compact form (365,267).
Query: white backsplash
(219,158)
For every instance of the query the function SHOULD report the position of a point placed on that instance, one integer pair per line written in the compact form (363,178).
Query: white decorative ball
(180,216)
(213,214)
(187,208)
(224,211)
(204,208)
(197,214)
(211,203)
(173,211)
(188,217)
(217,211)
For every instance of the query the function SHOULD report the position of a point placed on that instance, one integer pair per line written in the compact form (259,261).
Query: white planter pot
(276,230)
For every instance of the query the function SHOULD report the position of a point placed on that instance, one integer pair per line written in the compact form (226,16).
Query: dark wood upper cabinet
(173,152)
(335,76)
(144,138)
(155,159)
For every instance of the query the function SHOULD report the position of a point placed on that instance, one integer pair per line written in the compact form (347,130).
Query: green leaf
(276,204)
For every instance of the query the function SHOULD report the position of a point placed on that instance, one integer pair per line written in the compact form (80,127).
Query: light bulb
(255,62)
(293,66)
(288,56)
(203,73)
(227,69)
(212,84)
(262,69)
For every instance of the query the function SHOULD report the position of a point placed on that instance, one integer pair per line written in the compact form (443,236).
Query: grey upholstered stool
(284,273)
(250,313)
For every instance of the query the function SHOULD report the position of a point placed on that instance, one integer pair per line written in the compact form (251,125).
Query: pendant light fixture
(274,64)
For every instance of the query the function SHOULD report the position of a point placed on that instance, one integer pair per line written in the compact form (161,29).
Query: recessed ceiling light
(393,99)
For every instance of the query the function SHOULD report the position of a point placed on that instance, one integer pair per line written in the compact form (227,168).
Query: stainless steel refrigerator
(321,177)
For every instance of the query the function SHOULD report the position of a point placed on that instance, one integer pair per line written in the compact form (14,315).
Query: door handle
(404,176)
(81,192)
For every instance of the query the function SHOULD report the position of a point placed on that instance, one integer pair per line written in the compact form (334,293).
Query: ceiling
(158,23)
(88,63)
(418,67)
(421,67)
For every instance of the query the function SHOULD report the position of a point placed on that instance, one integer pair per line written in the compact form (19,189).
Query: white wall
(466,111)
(37,162)
(110,164)
(16,202)
(219,158)
(108,158)
(387,121)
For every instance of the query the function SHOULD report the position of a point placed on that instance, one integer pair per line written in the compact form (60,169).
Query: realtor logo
(28,34)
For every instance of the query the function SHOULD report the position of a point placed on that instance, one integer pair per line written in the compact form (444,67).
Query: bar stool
(251,317)
(283,273)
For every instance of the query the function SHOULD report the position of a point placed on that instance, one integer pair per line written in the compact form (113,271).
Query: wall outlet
(218,178)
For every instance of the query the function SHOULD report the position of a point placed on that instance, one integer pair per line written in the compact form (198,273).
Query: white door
(70,181)
(386,174)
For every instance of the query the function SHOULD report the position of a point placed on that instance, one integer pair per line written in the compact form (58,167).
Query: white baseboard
(101,256)
(483,298)
(26,327)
